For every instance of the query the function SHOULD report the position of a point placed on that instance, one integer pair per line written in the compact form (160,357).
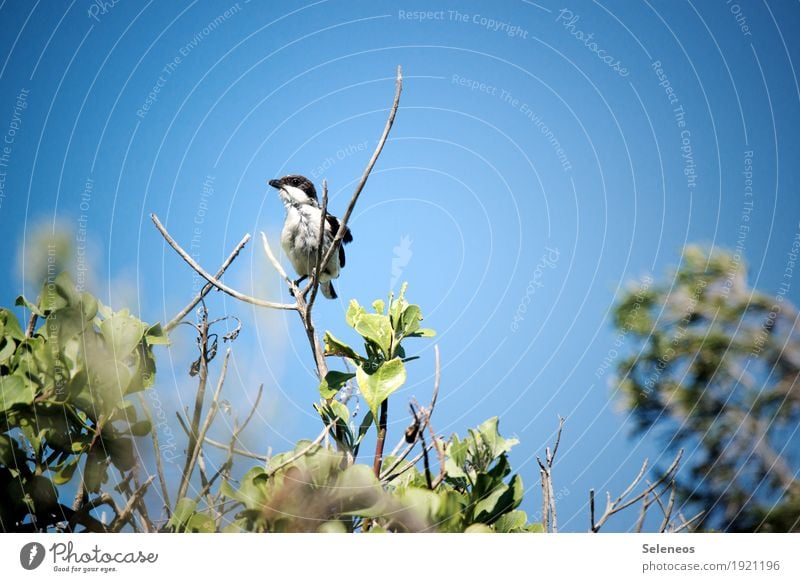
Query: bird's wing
(334,224)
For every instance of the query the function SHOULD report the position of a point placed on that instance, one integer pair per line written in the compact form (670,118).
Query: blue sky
(543,155)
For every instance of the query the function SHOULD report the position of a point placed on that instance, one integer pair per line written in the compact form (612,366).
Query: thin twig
(250,414)
(238,430)
(360,186)
(194,426)
(31,325)
(670,505)
(426,464)
(208,286)
(619,504)
(127,512)
(218,284)
(398,460)
(643,513)
(275,262)
(200,432)
(387,477)
(240,452)
(549,519)
(318,259)
(157,449)
(92,504)
(689,522)
(436,379)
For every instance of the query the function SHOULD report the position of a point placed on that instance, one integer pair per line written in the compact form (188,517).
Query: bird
(300,235)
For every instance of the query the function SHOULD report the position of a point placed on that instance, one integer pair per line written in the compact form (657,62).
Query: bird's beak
(275,183)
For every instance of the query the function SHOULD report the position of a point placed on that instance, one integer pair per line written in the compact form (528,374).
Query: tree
(716,372)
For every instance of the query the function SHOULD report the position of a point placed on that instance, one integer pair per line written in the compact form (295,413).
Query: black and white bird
(300,235)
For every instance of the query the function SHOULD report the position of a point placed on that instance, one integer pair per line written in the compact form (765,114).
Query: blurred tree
(717,373)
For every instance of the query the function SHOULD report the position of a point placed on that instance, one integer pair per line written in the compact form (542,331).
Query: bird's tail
(328,290)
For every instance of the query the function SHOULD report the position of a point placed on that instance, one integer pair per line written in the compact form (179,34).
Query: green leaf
(375,328)
(200,523)
(490,435)
(7,348)
(409,320)
(123,332)
(333,382)
(366,422)
(184,510)
(10,325)
(378,305)
(89,306)
(501,499)
(397,306)
(15,390)
(141,428)
(513,521)
(10,453)
(58,294)
(95,469)
(378,386)
(478,528)
(64,474)
(334,347)
(354,311)
(120,450)
(155,335)
(423,332)
(22,302)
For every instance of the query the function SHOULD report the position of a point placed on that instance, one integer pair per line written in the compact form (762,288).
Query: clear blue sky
(542,157)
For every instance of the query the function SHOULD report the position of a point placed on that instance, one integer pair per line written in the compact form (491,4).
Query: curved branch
(208,286)
(218,284)
(318,267)
(337,240)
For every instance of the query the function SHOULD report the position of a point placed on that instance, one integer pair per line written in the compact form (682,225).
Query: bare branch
(208,286)
(549,519)
(127,512)
(318,259)
(157,449)
(387,477)
(688,522)
(670,504)
(218,284)
(83,513)
(198,435)
(360,186)
(240,452)
(620,503)
(643,513)
(274,261)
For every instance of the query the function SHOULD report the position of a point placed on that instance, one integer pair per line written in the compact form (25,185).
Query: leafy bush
(64,401)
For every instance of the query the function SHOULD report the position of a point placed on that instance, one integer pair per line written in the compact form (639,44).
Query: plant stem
(376,464)
(194,429)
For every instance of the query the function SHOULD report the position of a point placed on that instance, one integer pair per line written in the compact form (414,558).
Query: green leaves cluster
(63,399)
(714,368)
(475,495)
(319,491)
(380,370)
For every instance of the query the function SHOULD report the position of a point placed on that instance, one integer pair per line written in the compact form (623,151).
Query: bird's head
(295,190)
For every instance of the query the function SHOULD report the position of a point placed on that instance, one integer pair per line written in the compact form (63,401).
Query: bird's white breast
(299,240)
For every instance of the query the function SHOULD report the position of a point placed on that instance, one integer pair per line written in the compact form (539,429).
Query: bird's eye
(295,181)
